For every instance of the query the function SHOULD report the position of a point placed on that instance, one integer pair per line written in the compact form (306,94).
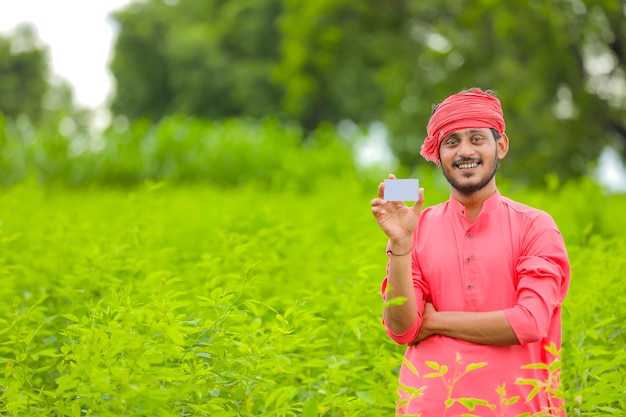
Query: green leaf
(409,365)
(412,391)
(310,407)
(535,366)
(533,393)
(554,366)
(176,336)
(396,301)
(252,306)
(473,366)
(365,397)
(532,382)
(71,317)
(472,403)
(604,322)
(51,352)
(512,400)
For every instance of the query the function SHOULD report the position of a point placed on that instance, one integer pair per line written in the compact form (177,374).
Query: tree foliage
(559,67)
(210,59)
(23,73)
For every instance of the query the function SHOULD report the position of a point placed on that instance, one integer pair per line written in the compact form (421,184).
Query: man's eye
(477,138)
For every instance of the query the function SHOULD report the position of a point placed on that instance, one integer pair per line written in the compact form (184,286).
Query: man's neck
(473,203)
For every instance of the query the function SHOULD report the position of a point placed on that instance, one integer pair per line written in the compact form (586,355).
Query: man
(482,278)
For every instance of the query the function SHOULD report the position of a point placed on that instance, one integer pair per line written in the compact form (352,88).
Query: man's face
(469,159)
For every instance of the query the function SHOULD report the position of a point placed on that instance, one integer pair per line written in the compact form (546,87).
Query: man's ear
(503,146)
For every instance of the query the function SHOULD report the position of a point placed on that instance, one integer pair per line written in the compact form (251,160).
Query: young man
(483,278)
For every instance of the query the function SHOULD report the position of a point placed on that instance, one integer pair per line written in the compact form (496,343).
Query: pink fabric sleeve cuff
(539,294)
(403,338)
(524,324)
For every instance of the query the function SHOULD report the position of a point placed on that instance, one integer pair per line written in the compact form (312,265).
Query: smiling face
(470,158)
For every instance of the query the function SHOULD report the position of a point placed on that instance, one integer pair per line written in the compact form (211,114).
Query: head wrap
(474,109)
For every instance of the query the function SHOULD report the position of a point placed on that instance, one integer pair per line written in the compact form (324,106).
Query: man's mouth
(467,165)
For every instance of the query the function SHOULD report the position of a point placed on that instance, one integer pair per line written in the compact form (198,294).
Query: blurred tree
(211,58)
(342,59)
(23,73)
(559,67)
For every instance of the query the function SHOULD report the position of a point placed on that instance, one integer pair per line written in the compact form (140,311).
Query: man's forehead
(461,132)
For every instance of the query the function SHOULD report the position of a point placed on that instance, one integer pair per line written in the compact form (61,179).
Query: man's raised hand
(395,218)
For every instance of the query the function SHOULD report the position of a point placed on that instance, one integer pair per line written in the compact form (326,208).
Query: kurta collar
(490,203)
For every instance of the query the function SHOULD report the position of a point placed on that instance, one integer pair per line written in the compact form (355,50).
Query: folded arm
(487,328)
(543,281)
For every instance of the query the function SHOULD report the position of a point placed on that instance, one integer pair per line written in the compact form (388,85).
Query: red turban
(475,109)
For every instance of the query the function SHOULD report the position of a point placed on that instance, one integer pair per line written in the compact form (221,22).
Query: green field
(191,300)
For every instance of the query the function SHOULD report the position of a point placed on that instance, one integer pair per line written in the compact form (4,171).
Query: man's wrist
(430,320)
(401,246)
(389,251)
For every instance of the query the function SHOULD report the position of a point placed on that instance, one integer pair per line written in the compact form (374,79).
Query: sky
(79,35)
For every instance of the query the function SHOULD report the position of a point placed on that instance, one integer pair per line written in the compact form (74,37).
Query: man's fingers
(417,207)
(378,207)
(381,190)
(378,202)
(378,211)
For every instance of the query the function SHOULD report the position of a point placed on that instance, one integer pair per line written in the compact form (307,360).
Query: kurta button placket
(470,267)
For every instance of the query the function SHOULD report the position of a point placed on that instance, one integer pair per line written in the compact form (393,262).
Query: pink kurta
(512,258)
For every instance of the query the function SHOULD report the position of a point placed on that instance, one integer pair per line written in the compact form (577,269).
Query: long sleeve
(543,278)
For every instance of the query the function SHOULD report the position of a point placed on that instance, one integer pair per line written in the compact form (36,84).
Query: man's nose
(465,149)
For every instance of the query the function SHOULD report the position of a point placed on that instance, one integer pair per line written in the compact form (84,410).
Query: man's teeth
(472,165)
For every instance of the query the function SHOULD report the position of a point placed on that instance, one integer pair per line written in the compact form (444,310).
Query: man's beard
(470,189)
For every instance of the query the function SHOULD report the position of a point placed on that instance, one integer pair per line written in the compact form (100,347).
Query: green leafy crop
(191,300)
